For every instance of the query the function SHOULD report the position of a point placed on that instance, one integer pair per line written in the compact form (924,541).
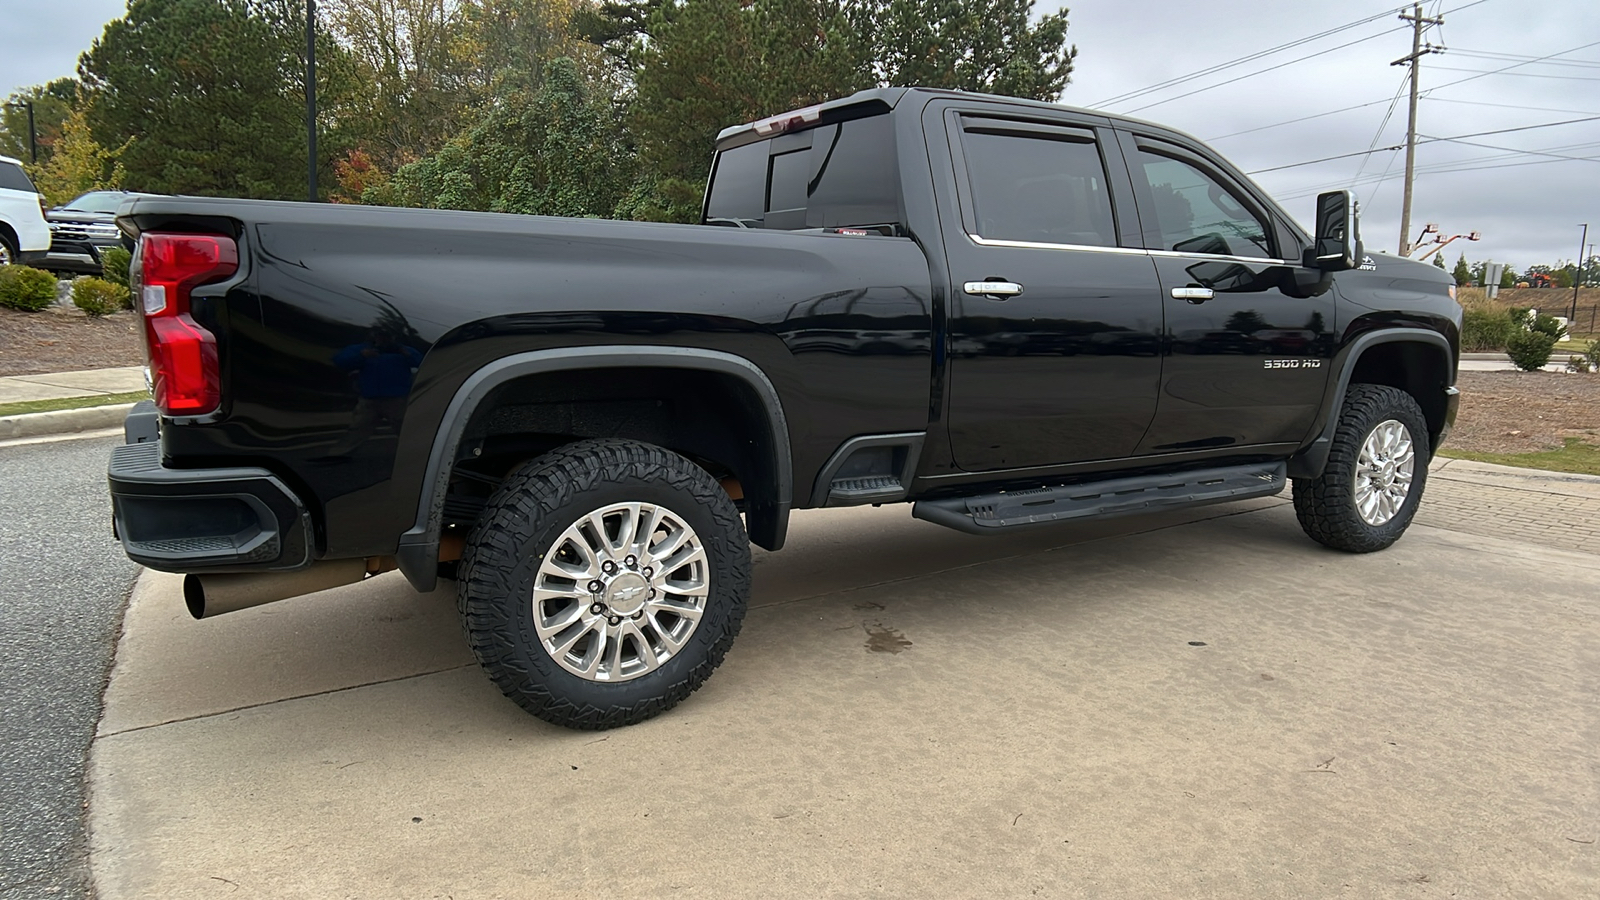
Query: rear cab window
(830,176)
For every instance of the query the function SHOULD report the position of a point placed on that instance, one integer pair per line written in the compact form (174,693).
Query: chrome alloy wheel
(1383,472)
(620,592)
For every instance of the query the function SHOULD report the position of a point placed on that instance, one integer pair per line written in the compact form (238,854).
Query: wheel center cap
(627,593)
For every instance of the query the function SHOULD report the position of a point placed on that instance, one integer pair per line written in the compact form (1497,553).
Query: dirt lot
(61,340)
(1521,412)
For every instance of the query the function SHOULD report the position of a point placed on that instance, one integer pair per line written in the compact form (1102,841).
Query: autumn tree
(78,163)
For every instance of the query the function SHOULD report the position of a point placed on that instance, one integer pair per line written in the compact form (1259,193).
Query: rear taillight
(183,355)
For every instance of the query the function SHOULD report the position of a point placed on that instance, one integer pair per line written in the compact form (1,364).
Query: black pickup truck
(1008,313)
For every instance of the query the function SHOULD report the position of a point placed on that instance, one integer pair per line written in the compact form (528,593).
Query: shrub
(1578,364)
(1592,354)
(1485,326)
(1530,350)
(26,288)
(114,264)
(99,297)
(1548,325)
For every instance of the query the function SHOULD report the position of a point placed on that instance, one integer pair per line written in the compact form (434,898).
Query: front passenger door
(1247,350)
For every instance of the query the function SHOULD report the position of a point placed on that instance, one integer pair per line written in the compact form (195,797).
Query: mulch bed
(1522,412)
(64,339)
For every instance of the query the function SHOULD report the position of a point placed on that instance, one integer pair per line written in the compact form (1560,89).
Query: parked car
(24,236)
(998,310)
(82,230)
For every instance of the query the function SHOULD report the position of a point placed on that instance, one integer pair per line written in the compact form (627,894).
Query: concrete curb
(63,421)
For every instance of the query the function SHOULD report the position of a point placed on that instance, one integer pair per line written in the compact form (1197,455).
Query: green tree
(1462,272)
(78,164)
(52,103)
(702,65)
(714,63)
(970,45)
(1508,276)
(556,151)
(211,94)
(1438,260)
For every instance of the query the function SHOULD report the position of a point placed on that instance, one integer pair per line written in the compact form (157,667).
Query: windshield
(97,201)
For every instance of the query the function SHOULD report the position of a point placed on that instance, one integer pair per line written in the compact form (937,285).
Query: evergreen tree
(1462,272)
(553,152)
(1438,260)
(211,94)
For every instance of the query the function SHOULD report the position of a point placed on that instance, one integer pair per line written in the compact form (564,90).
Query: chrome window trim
(1035,245)
(1262,260)
(1096,248)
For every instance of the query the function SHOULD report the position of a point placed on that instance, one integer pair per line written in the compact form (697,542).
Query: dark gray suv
(80,231)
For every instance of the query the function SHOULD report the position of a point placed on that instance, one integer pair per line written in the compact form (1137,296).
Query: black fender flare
(1309,461)
(418,551)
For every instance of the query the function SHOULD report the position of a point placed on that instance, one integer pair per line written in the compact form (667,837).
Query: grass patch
(1577,457)
(36,406)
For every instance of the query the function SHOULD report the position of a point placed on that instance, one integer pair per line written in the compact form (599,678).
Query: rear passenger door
(1055,318)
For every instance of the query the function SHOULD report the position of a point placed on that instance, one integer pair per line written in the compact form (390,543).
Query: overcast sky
(1528,209)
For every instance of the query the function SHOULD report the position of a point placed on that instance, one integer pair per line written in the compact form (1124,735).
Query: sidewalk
(62,385)
(1072,711)
(67,386)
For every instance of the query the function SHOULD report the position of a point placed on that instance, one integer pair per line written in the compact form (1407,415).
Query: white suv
(23,233)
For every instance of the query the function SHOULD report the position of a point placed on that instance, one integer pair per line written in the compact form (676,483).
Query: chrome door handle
(996,289)
(1193,294)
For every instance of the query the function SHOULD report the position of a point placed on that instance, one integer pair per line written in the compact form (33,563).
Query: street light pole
(1577,273)
(311,100)
(33,135)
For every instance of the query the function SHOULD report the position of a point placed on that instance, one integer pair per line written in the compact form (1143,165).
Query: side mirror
(1338,245)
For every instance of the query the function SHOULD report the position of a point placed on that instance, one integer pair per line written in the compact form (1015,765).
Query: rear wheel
(1368,492)
(604,583)
(8,251)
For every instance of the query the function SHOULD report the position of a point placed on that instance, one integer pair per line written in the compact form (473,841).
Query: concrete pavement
(62,385)
(1201,704)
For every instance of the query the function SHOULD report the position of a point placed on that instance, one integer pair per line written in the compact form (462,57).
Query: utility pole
(1577,273)
(1418,50)
(311,100)
(33,136)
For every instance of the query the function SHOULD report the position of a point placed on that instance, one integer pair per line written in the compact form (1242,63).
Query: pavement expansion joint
(305,696)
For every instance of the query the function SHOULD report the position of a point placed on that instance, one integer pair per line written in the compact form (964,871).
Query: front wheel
(604,583)
(1369,490)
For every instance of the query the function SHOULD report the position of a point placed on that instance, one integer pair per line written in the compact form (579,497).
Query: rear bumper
(240,519)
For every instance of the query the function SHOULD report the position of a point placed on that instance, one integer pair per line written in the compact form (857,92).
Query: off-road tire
(1326,505)
(531,509)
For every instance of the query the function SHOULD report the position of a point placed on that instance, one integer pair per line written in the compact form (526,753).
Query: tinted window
(1196,214)
(12,178)
(825,177)
(1038,189)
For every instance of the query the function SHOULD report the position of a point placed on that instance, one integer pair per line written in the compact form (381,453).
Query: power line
(1512,66)
(1294,121)
(1426,140)
(1484,54)
(1273,68)
(1587,112)
(1120,98)
(1511,149)
(1381,126)
(1520,74)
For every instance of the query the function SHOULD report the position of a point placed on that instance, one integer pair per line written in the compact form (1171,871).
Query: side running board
(993,513)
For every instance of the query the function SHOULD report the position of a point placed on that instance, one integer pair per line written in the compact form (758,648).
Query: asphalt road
(65,585)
